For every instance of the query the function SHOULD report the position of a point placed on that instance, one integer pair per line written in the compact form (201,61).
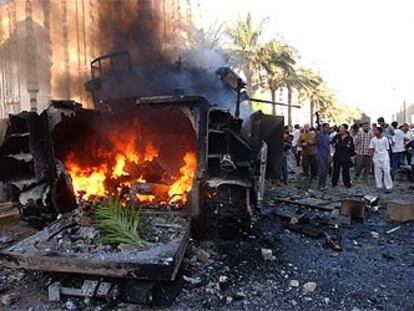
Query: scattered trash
(88,289)
(393,230)
(267,254)
(8,299)
(374,234)
(224,282)
(70,306)
(192,281)
(239,295)
(388,256)
(309,287)
(333,242)
(202,255)
(400,210)
(293,221)
(354,208)
(373,209)
(294,283)
(223,279)
(371,200)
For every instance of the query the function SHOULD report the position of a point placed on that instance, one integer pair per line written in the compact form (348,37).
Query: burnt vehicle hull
(227,187)
(158,262)
(219,204)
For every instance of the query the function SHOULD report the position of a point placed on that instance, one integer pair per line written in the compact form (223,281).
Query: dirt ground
(374,270)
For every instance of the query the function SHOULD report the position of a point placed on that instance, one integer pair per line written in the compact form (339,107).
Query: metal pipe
(272,103)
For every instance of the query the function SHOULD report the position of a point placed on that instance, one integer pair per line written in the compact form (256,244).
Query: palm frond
(118,224)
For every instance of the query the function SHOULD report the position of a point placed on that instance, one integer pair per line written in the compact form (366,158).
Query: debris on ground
(309,272)
(400,210)
(294,283)
(393,230)
(8,299)
(267,254)
(309,287)
(202,255)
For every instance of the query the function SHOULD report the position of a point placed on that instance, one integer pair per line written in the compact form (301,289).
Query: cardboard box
(400,210)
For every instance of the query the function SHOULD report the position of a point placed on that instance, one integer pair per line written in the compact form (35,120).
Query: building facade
(405,115)
(46,45)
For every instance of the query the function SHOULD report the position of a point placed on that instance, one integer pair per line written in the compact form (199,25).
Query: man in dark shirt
(410,148)
(344,150)
(287,145)
(323,155)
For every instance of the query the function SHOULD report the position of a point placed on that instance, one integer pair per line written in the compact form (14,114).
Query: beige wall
(46,45)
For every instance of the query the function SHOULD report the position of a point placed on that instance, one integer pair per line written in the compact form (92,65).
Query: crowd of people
(331,151)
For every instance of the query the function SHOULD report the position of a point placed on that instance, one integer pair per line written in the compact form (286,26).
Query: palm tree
(293,81)
(245,36)
(278,60)
(279,63)
(316,91)
(210,37)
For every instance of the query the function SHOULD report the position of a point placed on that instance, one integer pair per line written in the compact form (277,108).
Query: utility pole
(404,111)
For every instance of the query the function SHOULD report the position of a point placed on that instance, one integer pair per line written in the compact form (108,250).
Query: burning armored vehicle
(191,167)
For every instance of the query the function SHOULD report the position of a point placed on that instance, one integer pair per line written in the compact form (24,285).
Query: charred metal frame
(228,185)
(159,264)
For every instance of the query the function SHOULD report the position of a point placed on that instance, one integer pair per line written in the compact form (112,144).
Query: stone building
(46,45)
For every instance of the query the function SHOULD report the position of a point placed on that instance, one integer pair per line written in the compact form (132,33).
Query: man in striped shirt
(363,158)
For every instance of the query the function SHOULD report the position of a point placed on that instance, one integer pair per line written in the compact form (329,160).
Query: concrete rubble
(296,257)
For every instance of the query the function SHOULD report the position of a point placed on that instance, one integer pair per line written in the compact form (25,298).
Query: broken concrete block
(267,254)
(400,210)
(193,281)
(294,283)
(375,235)
(309,287)
(202,255)
(353,208)
(8,299)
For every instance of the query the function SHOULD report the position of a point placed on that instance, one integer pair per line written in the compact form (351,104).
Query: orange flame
(87,182)
(145,198)
(126,167)
(182,185)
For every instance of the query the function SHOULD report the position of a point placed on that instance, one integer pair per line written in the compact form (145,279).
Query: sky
(364,49)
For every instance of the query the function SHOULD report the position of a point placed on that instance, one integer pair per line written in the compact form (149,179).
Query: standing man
(354,130)
(410,150)
(287,145)
(344,150)
(363,156)
(398,149)
(388,133)
(323,155)
(408,137)
(379,148)
(307,142)
(296,152)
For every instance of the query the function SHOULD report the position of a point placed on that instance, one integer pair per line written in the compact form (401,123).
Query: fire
(145,198)
(184,183)
(88,182)
(119,166)
(127,166)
